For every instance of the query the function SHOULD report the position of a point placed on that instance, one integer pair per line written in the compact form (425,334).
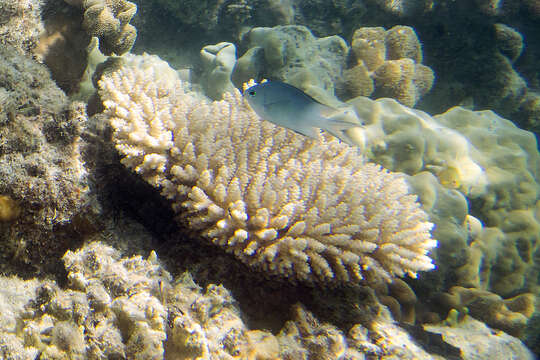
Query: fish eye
(251,93)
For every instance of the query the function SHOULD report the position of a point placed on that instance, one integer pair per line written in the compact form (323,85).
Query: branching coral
(306,209)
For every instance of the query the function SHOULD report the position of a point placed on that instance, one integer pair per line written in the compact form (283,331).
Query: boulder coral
(387,63)
(307,209)
(294,55)
(478,179)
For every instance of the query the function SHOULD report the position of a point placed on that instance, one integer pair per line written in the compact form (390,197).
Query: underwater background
(147,212)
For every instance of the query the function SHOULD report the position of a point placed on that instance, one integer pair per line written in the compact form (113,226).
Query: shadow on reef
(265,300)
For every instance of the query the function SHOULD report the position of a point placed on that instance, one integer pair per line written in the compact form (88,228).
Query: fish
(449,178)
(290,107)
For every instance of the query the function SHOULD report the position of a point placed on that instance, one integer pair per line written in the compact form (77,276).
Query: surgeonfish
(287,106)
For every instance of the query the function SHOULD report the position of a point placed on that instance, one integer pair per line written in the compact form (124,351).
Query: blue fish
(287,106)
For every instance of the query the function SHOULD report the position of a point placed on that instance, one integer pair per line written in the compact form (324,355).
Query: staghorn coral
(310,210)
(109,21)
(388,64)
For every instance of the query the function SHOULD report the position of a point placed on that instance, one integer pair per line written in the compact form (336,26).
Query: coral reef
(509,41)
(509,315)
(109,21)
(120,308)
(388,64)
(406,8)
(192,12)
(63,45)
(400,300)
(294,55)
(20,24)
(485,343)
(130,307)
(478,181)
(305,209)
(218,62)
(9,209)
(40,164)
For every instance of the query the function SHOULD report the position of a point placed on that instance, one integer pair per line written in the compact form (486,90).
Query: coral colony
(278,245)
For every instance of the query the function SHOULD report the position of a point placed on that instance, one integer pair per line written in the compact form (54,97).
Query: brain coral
(312,210)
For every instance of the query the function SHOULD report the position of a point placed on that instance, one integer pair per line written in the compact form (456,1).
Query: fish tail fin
(338,128)
(341,121)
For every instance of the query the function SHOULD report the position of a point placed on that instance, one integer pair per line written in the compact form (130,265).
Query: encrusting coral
(311,210)
(116,307)
(41,168)
(20,23)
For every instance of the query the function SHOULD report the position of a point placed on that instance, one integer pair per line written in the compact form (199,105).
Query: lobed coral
(109,20)
(388,64)
(406,8)
(63,45)
(218,62)
(477,177)
(509,315)
(310,210)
